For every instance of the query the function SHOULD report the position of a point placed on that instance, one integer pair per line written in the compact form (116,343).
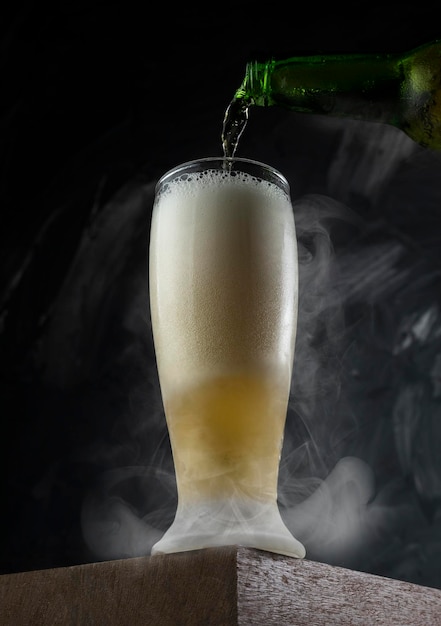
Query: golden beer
(223,298)
(227,435)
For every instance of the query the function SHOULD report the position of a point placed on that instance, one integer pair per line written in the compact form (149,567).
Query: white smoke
(330,515)
(114,528)
(338,518)
(360,472)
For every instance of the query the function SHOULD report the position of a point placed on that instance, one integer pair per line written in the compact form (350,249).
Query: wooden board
(280,591)
(216,586)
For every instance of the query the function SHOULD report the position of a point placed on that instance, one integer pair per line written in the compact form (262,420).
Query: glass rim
(248,164)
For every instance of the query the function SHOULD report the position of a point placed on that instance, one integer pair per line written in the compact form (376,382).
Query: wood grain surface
(215,586)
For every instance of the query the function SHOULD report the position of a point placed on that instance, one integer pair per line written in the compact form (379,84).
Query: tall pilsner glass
(223,295)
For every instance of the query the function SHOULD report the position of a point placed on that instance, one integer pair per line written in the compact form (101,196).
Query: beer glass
(223,297)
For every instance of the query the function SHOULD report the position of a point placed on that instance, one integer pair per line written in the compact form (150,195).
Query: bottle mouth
(229,165)
(256,86)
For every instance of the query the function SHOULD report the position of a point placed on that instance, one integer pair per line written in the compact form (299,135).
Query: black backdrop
(97,101)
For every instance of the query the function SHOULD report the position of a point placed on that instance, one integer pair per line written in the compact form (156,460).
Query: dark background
(97,101)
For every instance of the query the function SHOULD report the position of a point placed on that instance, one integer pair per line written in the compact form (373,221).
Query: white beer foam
(223,273)
(194,182)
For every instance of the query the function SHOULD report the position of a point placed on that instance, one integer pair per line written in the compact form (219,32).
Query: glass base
(233,522)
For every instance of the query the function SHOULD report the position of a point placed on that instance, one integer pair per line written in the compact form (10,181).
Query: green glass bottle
(403,90)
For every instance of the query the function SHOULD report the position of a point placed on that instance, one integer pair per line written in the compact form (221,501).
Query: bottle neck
(256,86)
(356,85)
